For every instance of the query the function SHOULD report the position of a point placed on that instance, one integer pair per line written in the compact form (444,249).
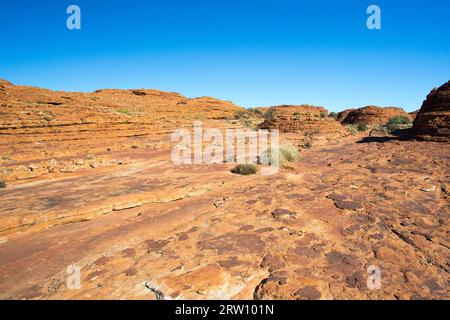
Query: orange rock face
(302,119)
(433,120)
(101,199)
(343,114)
(44,131)
(372,115)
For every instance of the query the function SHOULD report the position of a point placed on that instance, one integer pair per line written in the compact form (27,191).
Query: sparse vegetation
(2,184)
(270,114)
(245,169)
(241,114)
(397,123)
(124,111)
(352,129)
(362,127)
(333,115)
(309,140)
(323,114)
(287,153)
(398,120)
(256,112)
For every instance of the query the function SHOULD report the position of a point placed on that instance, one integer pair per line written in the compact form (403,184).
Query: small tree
(363,127)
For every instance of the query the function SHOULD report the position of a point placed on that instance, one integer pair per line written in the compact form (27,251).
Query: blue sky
(255,53)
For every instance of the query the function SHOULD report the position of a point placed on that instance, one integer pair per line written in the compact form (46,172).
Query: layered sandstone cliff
(44,131)
(301,119)
(433,120)
(373,115)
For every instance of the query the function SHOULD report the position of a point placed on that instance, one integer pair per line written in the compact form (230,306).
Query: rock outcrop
(103,195)
(433,120)
(44,131)
(373,115)
(301,119)
(343,114)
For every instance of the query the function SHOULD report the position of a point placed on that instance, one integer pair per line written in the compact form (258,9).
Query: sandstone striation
(93,186)
(301,119)
(433,119)
(44,131)
(372,115)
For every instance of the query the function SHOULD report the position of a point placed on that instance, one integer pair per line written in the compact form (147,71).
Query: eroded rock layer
(432,122)
(302,119)
(44,131)
(373,115)
(137,226)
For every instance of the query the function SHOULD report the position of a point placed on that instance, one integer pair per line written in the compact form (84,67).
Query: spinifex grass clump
(245,169)
(287,153)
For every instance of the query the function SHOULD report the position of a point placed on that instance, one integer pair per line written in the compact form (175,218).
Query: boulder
(433,120)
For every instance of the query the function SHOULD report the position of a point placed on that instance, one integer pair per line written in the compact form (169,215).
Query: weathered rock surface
(372,115)
(343,114)
(139,227)
(302,119)
(433,119)
(44,131)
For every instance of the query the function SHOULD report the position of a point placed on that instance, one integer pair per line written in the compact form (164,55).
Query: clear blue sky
(255,53)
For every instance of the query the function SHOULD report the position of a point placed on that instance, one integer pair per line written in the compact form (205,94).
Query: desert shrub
(352,129)
(123,111)
(333,115)
(392,127)
(323,114)
(245,169)
(297,114)
(270,114)
(286,152)
(310,138)
(2,184)
(362,127)
(241,115)
(398,120)
(255,112)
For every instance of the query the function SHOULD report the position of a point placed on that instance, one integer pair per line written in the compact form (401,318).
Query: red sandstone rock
(372,115)
(302,119)
(433,119)
(139,227)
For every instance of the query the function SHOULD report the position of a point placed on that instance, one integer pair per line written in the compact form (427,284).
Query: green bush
(333,115)
(363,127)
(323,114)
(245,169)
(2,184)
(124,111)
(398,120)
(392,127)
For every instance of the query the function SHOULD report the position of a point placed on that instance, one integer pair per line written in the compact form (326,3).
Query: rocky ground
(139,227)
